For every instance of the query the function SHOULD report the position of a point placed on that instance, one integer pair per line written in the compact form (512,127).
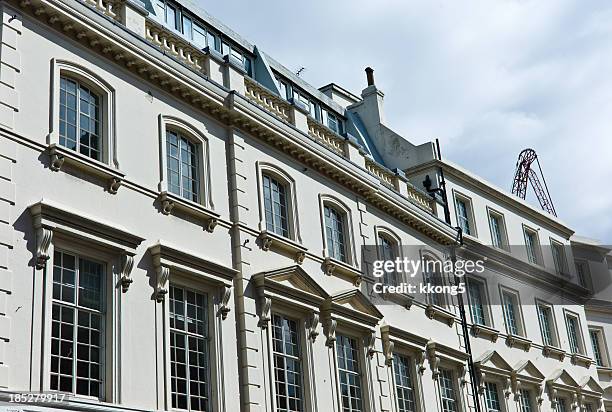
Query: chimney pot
(370,75)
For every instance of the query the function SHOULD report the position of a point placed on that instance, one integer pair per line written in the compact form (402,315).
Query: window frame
(109,301)
(345,211)
(484,295)
(532,400)
(518,311)
(306,374)
(443,303)
(396,245)
(603,347)
(187,284)
(585,279)
(501,399)
(581,347)
(504,243)
(537,252)
(293,222)
(471,220)
(415,375)
(200,140)
(564,269)
(362,359)
(106,93)
(554,329)
(456,387)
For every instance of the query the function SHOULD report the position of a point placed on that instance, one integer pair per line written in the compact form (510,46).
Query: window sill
(581,360)
(333,266)
(399,298)
(483,331)
(438,312)
(60,155)
(551,351)
(518,342)
(170,201)
(269,240)
(605,371)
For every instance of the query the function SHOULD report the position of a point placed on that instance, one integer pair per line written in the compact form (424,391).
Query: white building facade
(187,225)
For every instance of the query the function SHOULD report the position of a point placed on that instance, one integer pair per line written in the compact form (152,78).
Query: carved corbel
(552,393)
(462,372)
(299,257)
(43,242)
(266,243)
(420,361)
(388,348)
(127,264)
(313,324)
(507,388)
(329,267)
(211,224)
(57,161)
(265,307)
(434,361)
(330,332)
(163,274)
(481,382)
(167,206)
(370,341)
(113,185)
(516,388)
(224,302)
(540,394)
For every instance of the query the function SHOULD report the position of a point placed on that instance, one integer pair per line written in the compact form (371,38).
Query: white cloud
(483,76)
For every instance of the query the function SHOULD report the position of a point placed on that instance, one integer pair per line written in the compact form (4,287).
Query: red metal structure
(524,173)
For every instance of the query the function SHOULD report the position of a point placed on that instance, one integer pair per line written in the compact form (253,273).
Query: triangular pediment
(493,360)
(529,370)
(590,384)
(562,377)
(292,277)
(356,301)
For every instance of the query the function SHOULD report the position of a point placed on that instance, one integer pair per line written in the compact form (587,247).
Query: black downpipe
(460,301)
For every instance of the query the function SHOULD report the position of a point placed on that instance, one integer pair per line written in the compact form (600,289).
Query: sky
(488,78)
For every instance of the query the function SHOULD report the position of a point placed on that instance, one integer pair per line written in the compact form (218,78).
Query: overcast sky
(488,78)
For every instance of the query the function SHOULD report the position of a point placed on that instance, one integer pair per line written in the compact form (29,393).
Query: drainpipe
(464,326)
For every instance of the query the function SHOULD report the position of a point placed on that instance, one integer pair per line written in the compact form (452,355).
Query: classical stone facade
(185,224)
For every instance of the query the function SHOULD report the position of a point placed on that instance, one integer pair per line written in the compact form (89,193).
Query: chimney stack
(370,75)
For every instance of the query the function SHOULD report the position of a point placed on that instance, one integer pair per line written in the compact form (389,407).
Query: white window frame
(603,346)
(188,284)
(293,223)
(57,226)
(362,360)
(586,282)
(396,244)
(305,351)
(499,385)
(567,314)
(537,245)
(504,244)
(469,210)
(484,294)
(554,331)
(200,141)
(518,310)
(106,93)
(427,255)
(414,374)
(454,381)
(563,269)
(327,200)
(109,302)
(532,399)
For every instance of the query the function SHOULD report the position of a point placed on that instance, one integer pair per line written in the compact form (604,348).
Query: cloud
(485,77)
